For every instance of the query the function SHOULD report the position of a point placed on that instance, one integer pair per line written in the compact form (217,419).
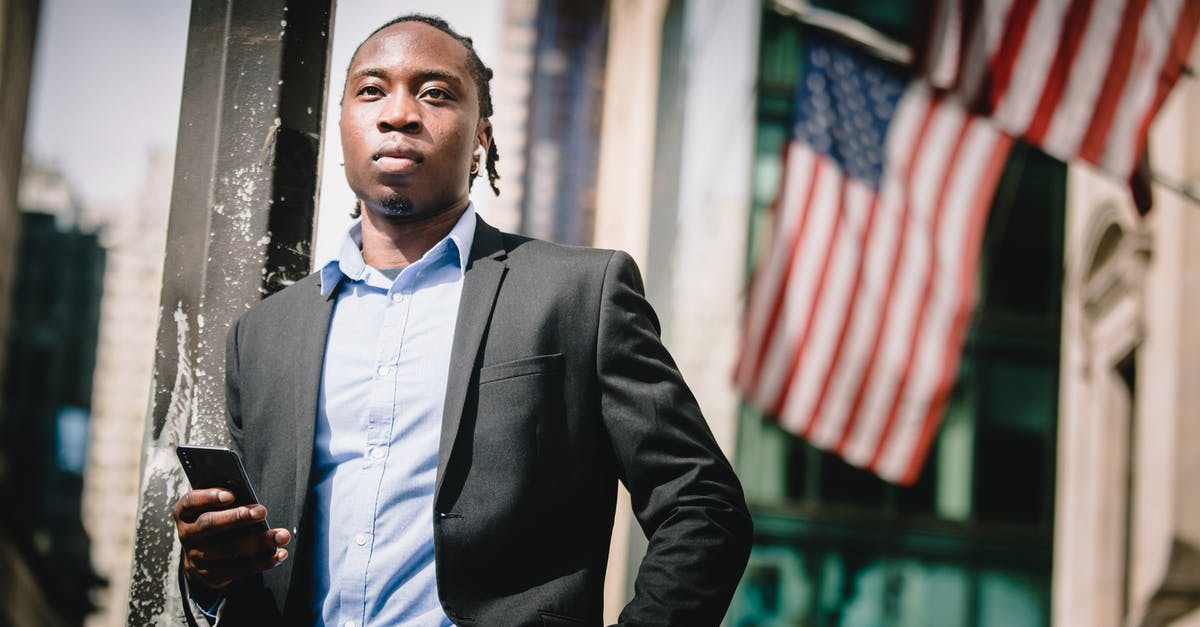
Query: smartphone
(217,467)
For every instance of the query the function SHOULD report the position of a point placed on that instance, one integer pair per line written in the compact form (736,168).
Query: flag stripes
(1080,79)
(860,305)
(857,312)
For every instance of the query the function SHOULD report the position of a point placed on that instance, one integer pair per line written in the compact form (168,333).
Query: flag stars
(816,82)
(819,57)
(820,100)
(844,104)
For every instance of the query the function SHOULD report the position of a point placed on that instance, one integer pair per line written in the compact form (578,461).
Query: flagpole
(857,32)
(1188,190)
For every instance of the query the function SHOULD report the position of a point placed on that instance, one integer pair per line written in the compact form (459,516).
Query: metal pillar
(242,210)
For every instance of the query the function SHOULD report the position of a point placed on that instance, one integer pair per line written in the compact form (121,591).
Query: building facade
(51,345)
(1128,523)
(134,239)
(1057,490)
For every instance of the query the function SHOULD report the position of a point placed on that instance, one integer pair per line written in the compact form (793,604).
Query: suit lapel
(481,282)
(313,329)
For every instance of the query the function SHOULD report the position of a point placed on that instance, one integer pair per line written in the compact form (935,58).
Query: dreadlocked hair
(492,157)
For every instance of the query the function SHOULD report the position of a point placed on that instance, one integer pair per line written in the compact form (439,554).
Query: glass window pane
(1021,266)
(934,595)
(1011,600)
(1021,396)
(1014,466)
(774,591)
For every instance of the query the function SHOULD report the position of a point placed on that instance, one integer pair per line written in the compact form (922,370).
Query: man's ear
(483,135)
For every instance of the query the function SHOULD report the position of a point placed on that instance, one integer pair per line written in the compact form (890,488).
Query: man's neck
(395,244)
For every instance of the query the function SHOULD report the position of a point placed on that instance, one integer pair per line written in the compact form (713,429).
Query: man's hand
(223,543)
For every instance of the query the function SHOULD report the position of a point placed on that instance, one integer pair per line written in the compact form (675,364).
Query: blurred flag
(860,303)
(1080,79)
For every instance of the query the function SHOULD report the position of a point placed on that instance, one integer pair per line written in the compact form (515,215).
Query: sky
(107,79)
(106,83)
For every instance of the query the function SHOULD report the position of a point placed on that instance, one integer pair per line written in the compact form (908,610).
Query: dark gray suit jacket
(559,387)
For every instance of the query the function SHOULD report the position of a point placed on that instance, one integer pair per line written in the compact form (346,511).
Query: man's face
(410,122)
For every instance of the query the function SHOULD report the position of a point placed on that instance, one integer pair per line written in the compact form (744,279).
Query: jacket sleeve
(683,490)
(207,612)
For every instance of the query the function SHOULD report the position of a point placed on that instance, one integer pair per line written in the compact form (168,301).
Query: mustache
(398,152)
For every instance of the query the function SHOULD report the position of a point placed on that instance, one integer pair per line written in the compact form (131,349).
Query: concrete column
(720,52)
(240,227)
(1166,566)
(628,126)
(674,191)
(21,602)
(622,221)
(18,26)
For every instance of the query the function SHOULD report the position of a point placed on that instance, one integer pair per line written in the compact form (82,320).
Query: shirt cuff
(212,612)
(209,604)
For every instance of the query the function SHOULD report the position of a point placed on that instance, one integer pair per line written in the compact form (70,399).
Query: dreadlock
(480,73)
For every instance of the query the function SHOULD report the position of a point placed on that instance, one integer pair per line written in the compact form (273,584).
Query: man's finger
(217,573)
(216,522)
(193,503)
(248,545)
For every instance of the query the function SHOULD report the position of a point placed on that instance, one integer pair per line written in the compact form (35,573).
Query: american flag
(859,306)
(1080,79)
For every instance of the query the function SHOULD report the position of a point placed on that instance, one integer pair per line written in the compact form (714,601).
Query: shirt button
(397,297)
(349,623)
(385,371)
(360,539)
(378,452)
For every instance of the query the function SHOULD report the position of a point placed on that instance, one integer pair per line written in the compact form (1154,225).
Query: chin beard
(398,206)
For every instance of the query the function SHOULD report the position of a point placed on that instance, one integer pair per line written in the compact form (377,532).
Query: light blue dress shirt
(379,417)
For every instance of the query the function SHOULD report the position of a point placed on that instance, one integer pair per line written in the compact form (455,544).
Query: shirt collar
(349,261)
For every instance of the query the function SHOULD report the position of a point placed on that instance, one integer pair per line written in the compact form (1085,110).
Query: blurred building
(548,103)
(1127,534)
(1058,489)
(50,348)
(20,598)
(134,239)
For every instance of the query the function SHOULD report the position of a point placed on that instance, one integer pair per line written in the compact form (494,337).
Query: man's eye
(437,94)
(370,90)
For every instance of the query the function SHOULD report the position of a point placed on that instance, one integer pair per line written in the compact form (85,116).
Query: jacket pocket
(554,619)
(521,367)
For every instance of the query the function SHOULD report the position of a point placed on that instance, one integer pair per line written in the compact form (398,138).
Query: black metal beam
(242,210)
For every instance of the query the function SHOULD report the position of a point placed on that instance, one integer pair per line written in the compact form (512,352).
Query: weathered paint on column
(242,210)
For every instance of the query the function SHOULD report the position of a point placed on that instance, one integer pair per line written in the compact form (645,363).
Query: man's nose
(401,113)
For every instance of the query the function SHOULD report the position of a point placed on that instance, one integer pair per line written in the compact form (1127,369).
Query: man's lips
(397,160)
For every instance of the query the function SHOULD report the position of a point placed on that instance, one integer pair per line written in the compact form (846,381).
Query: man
(439,417)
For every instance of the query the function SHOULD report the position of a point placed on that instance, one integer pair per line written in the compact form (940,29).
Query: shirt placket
(381,412)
